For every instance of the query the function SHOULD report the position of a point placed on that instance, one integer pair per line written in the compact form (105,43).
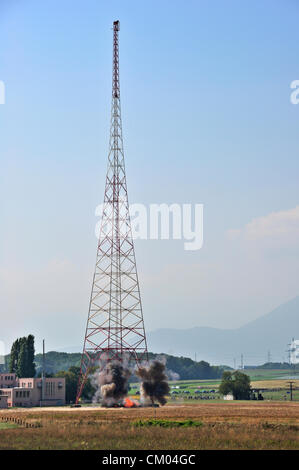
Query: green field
(271,374)
(8,426)
(272,379)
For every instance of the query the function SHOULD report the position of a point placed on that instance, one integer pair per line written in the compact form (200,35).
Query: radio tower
(115,321)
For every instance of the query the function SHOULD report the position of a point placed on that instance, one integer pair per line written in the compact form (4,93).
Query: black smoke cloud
(113,382)
(154,384)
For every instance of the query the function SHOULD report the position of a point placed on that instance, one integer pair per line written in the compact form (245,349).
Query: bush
(165,423)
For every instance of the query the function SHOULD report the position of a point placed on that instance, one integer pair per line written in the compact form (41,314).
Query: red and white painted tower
(115,320)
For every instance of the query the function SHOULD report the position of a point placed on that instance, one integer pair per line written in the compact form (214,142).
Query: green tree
(21,369)
(14,356)
(22,357)
(30,366)
(71,382)
(236,383)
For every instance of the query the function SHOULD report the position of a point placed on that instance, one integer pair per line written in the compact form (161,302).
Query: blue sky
(207,118)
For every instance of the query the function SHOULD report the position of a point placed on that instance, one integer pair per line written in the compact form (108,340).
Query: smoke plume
(154,384)
(113,384)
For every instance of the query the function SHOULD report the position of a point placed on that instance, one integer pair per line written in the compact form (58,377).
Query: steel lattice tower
(115,320)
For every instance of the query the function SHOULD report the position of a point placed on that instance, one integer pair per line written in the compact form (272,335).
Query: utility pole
(269,356)
(234,363)
(242,362)
(291,389)
(43,374)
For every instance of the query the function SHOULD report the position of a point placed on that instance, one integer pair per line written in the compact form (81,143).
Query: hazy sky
(207,118)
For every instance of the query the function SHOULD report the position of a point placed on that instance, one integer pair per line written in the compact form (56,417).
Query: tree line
(185,368)
(23,362)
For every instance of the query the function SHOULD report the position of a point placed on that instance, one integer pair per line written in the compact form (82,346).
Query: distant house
(27,392)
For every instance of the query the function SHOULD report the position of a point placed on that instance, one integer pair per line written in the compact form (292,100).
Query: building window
(50,388)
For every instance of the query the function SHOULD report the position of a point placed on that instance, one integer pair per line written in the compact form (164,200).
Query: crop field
(273,383)
(204,425)
(271,374)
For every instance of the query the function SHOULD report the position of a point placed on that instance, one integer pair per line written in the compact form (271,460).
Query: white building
(230,396)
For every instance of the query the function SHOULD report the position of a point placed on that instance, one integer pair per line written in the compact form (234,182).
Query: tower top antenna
(116,25)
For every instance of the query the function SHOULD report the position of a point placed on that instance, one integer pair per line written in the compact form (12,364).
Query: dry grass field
(284,384)
(231,425)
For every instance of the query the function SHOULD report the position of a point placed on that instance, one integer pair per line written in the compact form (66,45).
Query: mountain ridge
(272,331)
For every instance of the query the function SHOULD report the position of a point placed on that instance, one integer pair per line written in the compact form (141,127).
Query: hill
(177,367)
(272,331)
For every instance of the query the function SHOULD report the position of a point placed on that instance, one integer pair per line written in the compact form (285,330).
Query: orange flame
(128,403)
